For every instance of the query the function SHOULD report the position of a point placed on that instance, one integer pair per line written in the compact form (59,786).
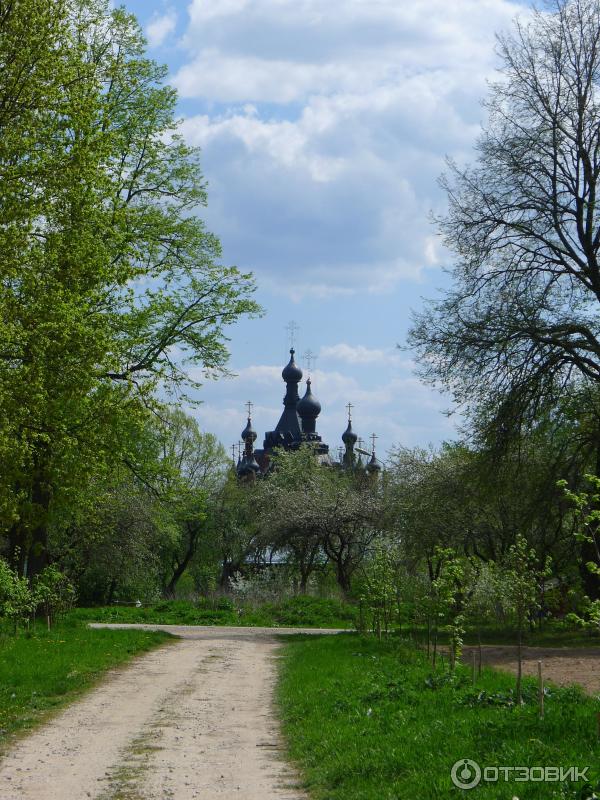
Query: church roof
(309,406)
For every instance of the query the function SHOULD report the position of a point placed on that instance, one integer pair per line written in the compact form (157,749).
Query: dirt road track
(193,719)
(562,665)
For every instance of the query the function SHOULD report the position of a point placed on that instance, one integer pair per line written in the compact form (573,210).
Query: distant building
(297,426)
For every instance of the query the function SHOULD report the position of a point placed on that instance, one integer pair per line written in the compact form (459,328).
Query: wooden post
(541,688)
(473,667)
(598,718)
(48,620)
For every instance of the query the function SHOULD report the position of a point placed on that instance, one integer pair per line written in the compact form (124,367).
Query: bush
(53,592)
(16,600)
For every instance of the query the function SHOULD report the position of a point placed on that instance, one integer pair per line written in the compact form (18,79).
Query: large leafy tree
(109,283)
(520,324)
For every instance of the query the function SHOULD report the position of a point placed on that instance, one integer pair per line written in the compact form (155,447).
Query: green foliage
(16,599)
(106,269)
(315,514)
(379,590)
(53,591)
(447,593)
(586,512)
(362,723)
(311,612)
(521,579)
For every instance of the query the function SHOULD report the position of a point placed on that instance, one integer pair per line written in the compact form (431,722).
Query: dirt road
(193,719)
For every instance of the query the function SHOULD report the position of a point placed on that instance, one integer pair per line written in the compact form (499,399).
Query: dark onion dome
(248,466)
(374,465)
(309,407)
(292,373)
(249,432)
(349,437)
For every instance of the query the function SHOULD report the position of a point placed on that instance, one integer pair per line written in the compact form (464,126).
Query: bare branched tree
(521,323)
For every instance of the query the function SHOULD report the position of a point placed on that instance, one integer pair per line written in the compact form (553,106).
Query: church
(297,426)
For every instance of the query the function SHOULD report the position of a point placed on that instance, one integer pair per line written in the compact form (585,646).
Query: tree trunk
(28,540)
(343,578)
(111,591)
(520,666)
(169,590)
(228,569)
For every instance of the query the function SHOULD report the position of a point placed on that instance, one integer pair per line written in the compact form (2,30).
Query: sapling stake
(541,688)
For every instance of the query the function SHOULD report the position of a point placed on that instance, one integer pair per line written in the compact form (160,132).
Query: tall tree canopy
(520,323)
(109,283)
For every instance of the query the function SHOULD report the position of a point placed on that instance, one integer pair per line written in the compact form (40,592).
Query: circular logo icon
(466,774)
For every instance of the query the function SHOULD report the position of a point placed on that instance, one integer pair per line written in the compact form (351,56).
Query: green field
(42,671)
(369,721)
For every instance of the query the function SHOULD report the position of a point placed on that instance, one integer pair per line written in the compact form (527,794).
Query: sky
(324,127)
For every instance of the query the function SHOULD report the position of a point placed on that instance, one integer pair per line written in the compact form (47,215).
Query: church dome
(249,432)
(309,407)
(373,465)
(248,466)
(349,437)
(292,372)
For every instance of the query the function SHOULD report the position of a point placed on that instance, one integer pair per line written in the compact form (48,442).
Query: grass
(310,612)
(369,721)
(43,671)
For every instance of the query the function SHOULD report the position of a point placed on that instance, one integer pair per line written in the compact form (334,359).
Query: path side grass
(369,721)
(43,671)
(301,611)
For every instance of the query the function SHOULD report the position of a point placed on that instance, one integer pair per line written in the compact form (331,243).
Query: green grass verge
(369,721)
(43,671)
(309,612)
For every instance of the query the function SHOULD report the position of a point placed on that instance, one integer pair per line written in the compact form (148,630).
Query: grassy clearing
(43,671)
(368,721)
(310,612)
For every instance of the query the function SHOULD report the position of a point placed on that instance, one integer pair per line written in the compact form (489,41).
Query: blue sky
(324,125)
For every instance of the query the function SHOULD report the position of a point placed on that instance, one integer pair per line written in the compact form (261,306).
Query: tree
(313,509)
(112,542)
(54,592)
(193,471)
(109,284)
(295,481)
(233,519)
(379,589)
(520,324)
(481,597)
(521,591)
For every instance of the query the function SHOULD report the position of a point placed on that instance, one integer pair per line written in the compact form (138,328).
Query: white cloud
(393,406)
(325,126)
(359,354)
(160,27)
